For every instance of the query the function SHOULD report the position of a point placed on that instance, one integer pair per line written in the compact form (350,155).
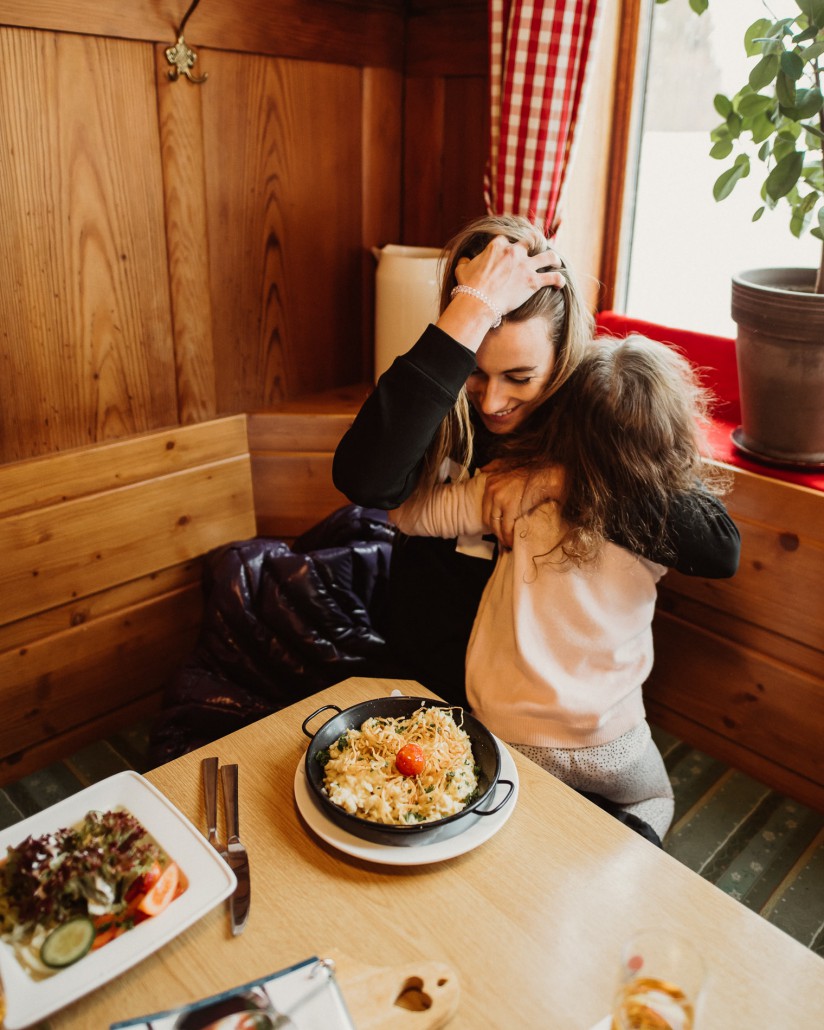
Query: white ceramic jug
(407,287)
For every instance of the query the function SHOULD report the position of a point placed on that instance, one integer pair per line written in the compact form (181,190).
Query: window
(684,246)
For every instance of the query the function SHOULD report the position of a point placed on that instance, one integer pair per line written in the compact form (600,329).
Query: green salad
(66,893)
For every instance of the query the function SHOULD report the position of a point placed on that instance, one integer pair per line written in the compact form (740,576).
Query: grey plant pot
(780,355)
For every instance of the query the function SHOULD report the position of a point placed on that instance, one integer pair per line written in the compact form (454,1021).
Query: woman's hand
(506,276)
(511,493)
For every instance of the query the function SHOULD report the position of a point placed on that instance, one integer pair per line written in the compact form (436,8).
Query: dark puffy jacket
(281,623)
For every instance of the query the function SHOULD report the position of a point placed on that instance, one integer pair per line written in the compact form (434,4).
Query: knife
(235,853)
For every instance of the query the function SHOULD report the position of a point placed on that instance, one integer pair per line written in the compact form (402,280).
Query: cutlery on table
(209,771)
(234,852)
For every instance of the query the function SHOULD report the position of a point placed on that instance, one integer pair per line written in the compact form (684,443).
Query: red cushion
(715,355)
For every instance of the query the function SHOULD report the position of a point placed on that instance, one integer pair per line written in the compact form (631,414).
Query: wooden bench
(100,584)
(739,663)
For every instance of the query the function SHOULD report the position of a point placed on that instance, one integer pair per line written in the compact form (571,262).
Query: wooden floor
(763,849)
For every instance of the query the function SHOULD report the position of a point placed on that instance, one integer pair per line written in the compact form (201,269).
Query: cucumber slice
(68,942)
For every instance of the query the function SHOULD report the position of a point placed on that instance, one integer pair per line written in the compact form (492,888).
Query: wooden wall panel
(283,189)
(317,30)
(187,241)
(85,329)
(382,141)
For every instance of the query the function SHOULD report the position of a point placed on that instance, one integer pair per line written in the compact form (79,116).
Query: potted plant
(777,118)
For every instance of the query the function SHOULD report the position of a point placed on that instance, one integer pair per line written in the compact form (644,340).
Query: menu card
(302,997)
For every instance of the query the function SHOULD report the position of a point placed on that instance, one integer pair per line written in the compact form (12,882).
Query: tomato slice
(161,894)
(409,761)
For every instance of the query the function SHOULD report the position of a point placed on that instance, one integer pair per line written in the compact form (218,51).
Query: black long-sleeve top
(435,590)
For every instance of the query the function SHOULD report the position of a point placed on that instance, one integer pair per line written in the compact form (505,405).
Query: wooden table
(532,920)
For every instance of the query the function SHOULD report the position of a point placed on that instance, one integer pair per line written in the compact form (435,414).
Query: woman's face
(512,367)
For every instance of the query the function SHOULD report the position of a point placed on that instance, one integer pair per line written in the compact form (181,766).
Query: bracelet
(484,300)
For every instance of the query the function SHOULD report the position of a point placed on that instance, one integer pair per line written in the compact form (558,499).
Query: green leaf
(808,102)
(764,72)
(721,149)
(821,219)
(764,151)
(757,30)
(785,175)
(811,52)
(792,65)
(758,214)
(762,128)
(814,9)
(815,231)
(814,130)
(725,182)
(699,6)
(722,104)
(754,104)
(809,33)
(785,90)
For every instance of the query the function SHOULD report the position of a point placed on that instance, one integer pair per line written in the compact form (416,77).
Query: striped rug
(763,849)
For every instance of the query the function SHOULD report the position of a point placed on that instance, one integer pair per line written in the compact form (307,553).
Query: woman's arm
(377,462)
(700,538)
(447,511)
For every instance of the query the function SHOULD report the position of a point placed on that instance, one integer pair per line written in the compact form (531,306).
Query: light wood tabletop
(531,921)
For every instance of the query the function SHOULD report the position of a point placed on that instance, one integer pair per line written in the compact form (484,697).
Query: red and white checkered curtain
(539,53)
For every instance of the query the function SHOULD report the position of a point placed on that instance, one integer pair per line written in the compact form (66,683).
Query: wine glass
(661,983)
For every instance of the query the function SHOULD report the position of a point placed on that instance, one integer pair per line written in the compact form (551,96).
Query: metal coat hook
(182,56)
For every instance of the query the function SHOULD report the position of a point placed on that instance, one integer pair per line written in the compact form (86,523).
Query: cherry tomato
(162,893)
(409,760)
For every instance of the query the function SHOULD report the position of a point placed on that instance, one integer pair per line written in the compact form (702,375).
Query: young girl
(562,641)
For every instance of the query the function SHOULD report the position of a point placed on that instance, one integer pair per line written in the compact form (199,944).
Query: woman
(512,328)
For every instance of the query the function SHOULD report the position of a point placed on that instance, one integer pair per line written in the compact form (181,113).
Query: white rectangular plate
(210,881)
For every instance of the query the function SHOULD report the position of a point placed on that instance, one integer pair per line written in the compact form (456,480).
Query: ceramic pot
(780,356)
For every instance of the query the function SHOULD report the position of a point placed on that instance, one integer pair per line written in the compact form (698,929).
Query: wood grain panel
(309,432)
(181,136)
(319,30)
(58,747)
(85,326)
(293,491)
(466,142)
(424,144)
(447,39)
(781,778)
(283,191)
(755,637)
(53,478)
(84,610)
(64,680)
(382,117)
(766,706)
(85,545)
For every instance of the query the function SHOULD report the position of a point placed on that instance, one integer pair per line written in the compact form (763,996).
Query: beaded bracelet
(484,300)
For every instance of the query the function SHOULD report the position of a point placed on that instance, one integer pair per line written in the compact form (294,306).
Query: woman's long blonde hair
(569,328)
(627,427)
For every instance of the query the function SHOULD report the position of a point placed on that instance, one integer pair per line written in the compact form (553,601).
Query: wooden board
(423,995)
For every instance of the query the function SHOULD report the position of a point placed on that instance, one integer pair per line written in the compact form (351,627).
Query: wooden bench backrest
(100,583)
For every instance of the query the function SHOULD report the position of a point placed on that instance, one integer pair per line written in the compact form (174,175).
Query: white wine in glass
(647,1003)
(660,984)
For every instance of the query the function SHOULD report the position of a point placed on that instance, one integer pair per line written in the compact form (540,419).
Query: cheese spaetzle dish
(362,777)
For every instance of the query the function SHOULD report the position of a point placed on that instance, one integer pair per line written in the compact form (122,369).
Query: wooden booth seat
(100,584)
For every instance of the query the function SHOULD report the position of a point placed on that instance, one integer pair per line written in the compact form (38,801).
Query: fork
(209,770)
